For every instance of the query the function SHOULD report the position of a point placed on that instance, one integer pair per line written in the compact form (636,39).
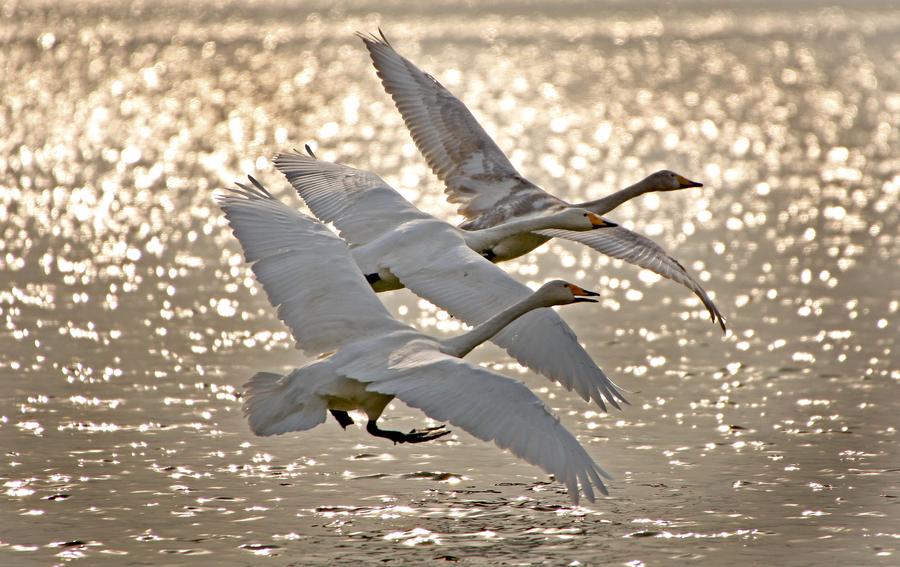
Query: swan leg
(342,417)
(414,436)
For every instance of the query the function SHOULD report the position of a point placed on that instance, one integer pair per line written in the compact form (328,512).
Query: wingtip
(588,493)
(601,399)
(717,318)
(260,186)
(371,39)
(384,37)
(613,395)
(282,159)
(616,391)
(367,37)
(243,191)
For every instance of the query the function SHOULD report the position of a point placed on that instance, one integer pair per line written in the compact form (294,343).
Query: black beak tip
(587,293)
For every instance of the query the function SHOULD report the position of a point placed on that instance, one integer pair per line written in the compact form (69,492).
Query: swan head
(561,292)
(665,180)
(579,219)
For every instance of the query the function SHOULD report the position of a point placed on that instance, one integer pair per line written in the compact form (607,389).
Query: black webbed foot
(414,436)
(427,434)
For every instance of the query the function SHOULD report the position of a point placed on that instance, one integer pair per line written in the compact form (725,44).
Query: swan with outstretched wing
(310,276)
(489,191)
(396,245)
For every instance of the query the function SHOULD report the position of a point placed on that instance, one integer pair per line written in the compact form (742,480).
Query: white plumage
(398,245)
(489,191)
(309,274)
(279,247)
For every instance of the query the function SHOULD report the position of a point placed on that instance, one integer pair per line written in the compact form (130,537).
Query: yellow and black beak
(582,295)
(685,183)
(599,222)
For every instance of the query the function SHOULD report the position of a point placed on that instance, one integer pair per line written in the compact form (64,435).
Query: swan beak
(685,183)
(598,222)
(582,294)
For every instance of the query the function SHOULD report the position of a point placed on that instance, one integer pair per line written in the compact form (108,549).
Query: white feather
(489,191)
(433,259)
(382,358)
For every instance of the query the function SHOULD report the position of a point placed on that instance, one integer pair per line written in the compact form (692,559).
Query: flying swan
(308,273)
(396,245)
(488,190)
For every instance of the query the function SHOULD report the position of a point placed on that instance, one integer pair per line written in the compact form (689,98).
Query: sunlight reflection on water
(130,320)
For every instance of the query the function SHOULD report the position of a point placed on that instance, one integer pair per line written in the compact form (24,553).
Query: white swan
(310,276)
(487,188)
(395,245)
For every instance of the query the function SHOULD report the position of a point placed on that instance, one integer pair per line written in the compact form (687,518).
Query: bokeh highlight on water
(130,321)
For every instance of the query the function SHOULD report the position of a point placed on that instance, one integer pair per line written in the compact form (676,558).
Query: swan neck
(461,345)
(482,239)
(610,202)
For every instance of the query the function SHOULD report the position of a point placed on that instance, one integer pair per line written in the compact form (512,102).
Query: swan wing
(619,242)
(490,407)
(473,289)
(477,174)
(360,204)
(307,272)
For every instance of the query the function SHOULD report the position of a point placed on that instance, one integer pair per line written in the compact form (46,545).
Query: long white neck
(485,238)
(610,202)
(461,345)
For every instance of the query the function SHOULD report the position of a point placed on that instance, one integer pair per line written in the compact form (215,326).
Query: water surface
(130,321)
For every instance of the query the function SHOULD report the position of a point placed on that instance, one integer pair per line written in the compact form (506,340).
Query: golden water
(129,321)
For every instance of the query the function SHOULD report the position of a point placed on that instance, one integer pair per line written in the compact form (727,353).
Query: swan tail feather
(274,404)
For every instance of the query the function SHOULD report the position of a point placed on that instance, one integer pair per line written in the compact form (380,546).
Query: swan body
(309,275)
(524,207)
(576,219)
(481,241)
(488,190)
(395,244)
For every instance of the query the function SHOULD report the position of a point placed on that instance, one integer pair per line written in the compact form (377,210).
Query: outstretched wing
(472,289)
(477,174)
(361,205)
(490,407)
(306,271)
(619,242)
(442,269)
